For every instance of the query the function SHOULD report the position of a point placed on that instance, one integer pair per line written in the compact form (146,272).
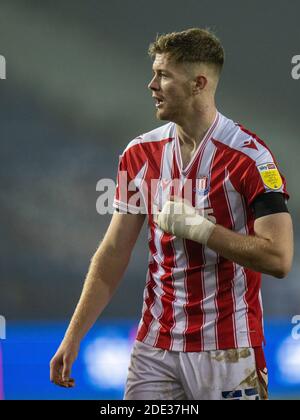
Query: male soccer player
(217,219)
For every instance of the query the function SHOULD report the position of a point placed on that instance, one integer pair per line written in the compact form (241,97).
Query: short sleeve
(128,196)
(259,178)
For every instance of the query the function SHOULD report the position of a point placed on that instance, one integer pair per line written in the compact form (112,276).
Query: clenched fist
(179,218)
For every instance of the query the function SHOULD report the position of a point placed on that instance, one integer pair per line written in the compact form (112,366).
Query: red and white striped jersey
(194,299)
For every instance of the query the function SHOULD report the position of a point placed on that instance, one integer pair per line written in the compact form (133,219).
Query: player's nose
(153,84)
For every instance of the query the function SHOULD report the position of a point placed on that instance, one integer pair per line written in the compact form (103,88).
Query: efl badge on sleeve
(270,176)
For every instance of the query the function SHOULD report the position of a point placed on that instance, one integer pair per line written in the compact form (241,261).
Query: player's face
(171,88)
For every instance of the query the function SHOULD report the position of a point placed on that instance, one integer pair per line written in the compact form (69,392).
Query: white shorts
(156,374)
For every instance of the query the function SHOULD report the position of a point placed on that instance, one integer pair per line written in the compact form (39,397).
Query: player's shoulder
(236,138)
(157,137)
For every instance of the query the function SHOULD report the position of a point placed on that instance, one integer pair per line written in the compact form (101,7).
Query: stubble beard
(167,116)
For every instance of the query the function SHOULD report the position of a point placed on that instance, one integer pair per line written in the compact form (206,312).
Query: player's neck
(193,128)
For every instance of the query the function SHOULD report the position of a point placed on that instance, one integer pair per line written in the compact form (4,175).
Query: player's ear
(200,82)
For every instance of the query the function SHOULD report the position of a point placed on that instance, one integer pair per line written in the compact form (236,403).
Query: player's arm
(105,272)
(269,250)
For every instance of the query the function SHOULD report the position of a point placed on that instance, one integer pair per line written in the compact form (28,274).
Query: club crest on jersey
(201,187)
(270,176)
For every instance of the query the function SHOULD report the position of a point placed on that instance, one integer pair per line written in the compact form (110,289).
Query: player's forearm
(104,275)
(263,254)
(258,254)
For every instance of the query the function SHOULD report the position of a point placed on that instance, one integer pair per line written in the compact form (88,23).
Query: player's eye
(159,74)
(162,74)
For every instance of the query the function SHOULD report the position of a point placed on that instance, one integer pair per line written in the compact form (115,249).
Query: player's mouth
(158,102)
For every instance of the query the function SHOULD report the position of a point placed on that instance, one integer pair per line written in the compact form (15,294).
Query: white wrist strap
(181,219)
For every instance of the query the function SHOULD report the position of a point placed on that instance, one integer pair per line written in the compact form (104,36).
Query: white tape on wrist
(182,220)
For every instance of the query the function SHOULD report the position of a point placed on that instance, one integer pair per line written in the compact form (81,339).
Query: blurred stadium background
(75,95)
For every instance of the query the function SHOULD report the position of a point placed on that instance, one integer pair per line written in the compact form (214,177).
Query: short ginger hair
(193,45)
